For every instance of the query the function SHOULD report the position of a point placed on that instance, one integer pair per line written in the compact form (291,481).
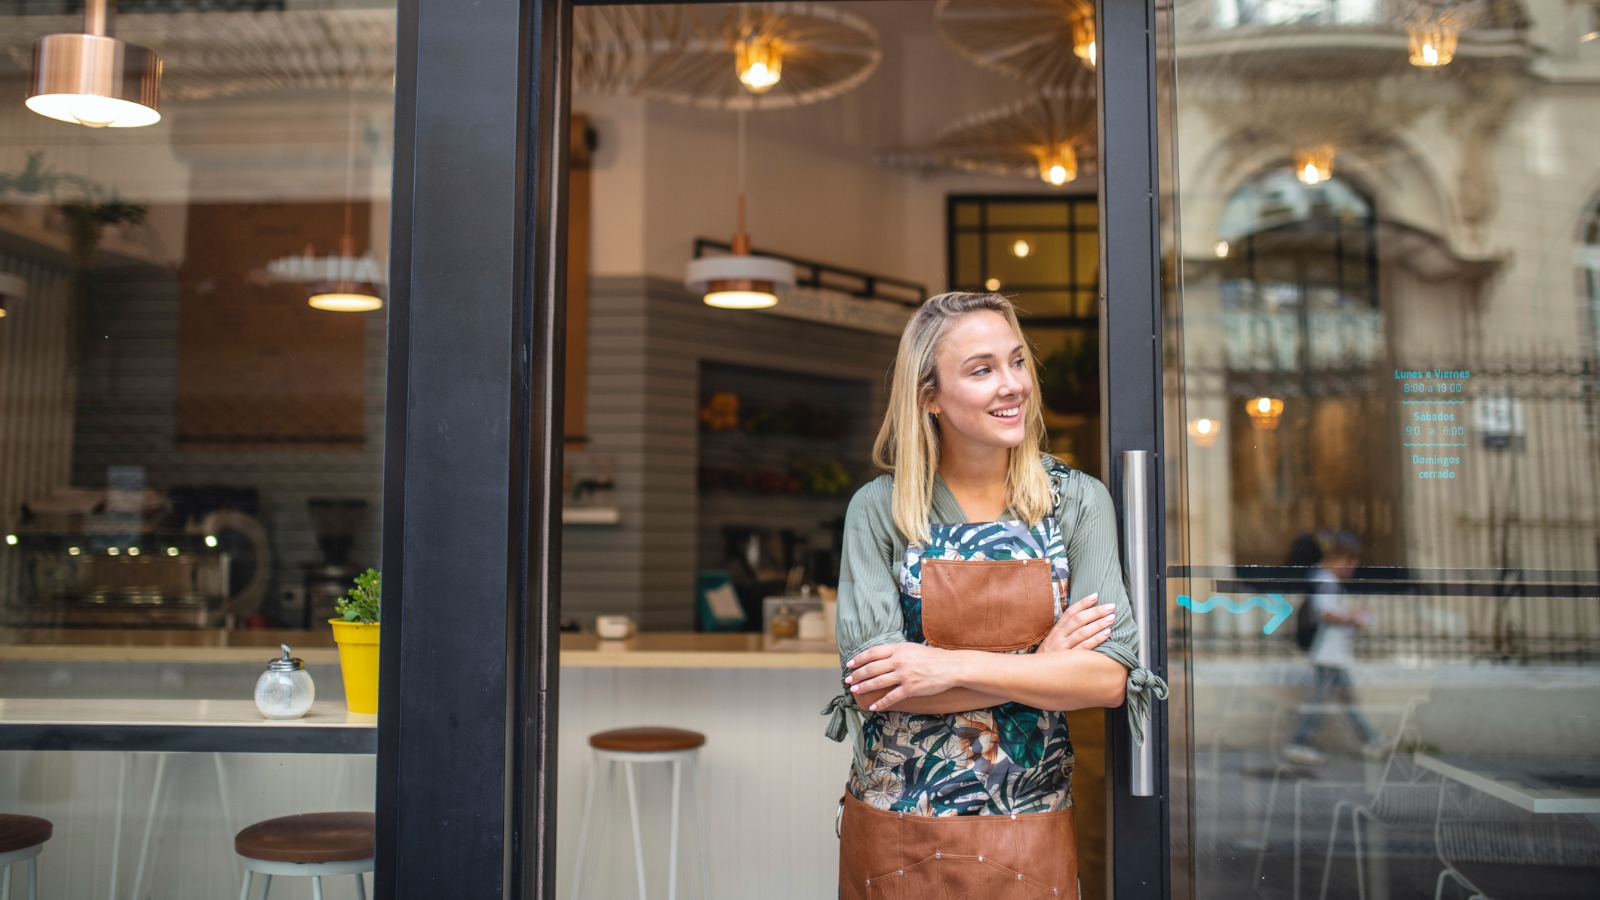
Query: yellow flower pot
(358,660)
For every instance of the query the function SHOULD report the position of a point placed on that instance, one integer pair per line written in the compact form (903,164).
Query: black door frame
(472,461)
(1131,346)
(472,454)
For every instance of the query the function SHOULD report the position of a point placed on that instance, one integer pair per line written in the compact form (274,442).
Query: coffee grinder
(336,521)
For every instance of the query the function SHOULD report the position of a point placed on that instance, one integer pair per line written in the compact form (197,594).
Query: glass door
(1382,296)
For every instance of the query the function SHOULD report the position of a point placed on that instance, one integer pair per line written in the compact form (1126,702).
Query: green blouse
(869,595)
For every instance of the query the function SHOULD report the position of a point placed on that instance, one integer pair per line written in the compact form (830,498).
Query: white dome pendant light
(739,280)
(92,78)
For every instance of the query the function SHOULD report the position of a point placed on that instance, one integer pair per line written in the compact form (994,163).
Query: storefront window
(192,369)
(1385,585)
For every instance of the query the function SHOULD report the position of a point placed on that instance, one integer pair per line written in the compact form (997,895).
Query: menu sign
(1433,410)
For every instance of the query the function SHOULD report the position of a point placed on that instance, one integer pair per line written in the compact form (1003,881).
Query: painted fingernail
(1109,607)
(851,663)
(854,688)
(872,708)
(849,679)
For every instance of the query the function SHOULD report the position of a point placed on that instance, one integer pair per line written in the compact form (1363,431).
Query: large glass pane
(1386,590)
(192,369)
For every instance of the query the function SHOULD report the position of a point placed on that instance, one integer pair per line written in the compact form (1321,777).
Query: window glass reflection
(1388,599)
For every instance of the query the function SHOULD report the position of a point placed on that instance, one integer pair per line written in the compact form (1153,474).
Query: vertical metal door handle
(1135,539)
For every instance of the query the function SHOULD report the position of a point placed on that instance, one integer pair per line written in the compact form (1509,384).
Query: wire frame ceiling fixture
(1042,42)
(1052,136)
(746,56)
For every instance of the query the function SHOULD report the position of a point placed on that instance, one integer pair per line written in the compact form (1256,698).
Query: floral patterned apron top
(1006,759)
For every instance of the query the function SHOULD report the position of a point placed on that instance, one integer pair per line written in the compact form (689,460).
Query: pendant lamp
(739,280)
(92,78)
(342,282)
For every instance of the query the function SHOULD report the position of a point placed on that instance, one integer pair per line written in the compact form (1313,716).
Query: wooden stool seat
(310,838)
(20,832)
(647,739)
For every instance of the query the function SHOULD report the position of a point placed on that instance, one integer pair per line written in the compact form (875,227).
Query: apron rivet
(901,873)
(938,855)
(1019,876)
(1013,816)
(980,857)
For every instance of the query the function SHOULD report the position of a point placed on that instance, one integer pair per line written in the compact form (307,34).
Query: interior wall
(648,339)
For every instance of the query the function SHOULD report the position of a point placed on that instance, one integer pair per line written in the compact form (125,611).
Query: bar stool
(310,845)
(21,838)
(626,748)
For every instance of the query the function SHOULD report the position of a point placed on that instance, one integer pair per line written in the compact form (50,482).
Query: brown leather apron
(889,856)
(886,854)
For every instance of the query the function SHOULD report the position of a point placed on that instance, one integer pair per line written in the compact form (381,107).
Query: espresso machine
(336,521)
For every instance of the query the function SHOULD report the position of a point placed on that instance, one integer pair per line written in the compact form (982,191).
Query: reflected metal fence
(1502,563)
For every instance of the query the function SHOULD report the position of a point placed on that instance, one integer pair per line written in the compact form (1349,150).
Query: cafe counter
(648,650)
(770,778)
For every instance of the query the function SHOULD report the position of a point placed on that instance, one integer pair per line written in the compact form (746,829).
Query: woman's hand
(1082,626)
(904,670)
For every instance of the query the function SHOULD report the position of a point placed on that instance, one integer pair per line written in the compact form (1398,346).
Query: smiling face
(983,385)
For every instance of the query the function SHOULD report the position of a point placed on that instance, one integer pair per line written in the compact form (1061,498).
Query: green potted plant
(356,633)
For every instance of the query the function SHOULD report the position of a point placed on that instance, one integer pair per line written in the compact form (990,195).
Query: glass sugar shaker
(285,690)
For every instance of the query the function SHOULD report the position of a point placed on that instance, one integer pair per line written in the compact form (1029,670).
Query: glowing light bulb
(1059,164)
(1222,249)
(992,284)
(759,62)
(1314,166)
(1021,248)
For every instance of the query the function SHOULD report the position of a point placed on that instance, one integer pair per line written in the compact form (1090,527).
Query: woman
(980,596)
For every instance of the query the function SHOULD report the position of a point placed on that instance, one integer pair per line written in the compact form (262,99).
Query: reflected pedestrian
(1337,622)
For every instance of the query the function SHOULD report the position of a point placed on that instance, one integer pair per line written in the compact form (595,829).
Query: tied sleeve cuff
(1144,688)
(844,720)
(838,710)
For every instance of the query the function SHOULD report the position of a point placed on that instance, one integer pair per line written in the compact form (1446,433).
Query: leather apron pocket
(897,856)
(996,605)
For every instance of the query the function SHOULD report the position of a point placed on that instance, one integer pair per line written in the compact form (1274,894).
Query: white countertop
(664,650)
(138,712)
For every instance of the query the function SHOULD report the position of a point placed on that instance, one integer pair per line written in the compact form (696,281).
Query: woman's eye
(981,370)
(1016,363)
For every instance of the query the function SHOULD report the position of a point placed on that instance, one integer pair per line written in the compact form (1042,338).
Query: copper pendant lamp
(739,280)
(93,79)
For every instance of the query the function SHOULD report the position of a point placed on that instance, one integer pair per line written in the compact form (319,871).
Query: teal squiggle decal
(1276,604)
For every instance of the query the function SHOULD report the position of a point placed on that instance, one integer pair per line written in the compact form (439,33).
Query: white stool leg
(638,842)
(609,785)
(149,822)
(700,824)
(116,827)
(672,847)
(316,887)
(33,878)
(244,890)
(5,887)
(583,830)
(361,887)
(266,885)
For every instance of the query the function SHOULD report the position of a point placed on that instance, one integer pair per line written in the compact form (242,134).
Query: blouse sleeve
(869,600)
(1095,566)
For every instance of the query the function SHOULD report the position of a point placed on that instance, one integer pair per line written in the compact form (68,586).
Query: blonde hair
(908,441)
